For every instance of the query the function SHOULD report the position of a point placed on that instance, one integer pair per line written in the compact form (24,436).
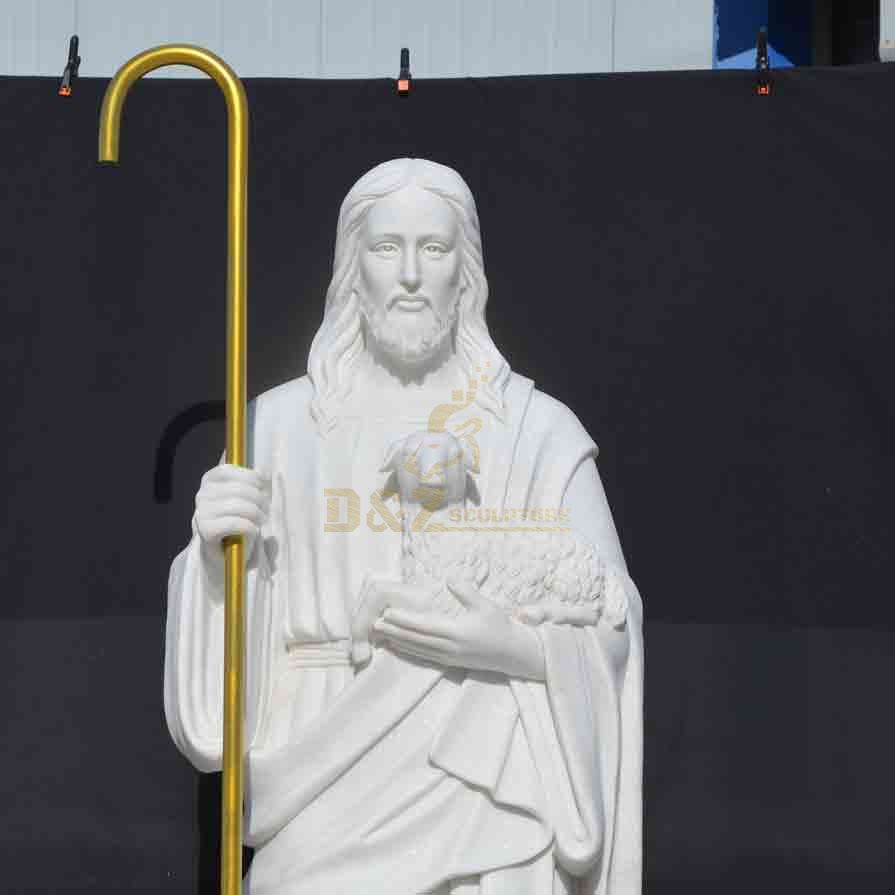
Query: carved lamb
(536,576)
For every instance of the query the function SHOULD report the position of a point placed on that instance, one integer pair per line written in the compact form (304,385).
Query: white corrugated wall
(887,31)
(362,38)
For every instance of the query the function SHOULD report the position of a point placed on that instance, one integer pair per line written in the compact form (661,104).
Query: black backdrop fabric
(702,274)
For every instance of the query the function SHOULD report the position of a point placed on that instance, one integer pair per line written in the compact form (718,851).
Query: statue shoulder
(275,413)
(551,418)
(283,398)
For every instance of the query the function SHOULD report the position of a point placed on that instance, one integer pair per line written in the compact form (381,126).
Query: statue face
(410,273)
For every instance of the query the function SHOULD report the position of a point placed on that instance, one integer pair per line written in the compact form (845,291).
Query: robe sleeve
(584,725)
(194,648)
(194,656)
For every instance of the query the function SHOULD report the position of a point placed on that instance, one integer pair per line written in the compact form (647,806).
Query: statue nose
(410,271)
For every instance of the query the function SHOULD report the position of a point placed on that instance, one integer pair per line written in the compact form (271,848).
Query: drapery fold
(194,656)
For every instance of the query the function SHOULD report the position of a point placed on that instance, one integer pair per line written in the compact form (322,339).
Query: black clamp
(762,65)
(71,68)
(404,78)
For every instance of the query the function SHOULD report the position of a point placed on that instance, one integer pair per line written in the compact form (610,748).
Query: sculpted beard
(408,336)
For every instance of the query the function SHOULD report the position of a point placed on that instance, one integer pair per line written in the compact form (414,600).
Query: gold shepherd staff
(237,188)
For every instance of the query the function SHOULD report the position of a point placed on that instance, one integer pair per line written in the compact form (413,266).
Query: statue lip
(409,302)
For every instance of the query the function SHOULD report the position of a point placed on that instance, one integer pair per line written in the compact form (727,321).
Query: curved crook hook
(237,190)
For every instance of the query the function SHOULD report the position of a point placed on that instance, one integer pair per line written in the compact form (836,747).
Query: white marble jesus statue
(482,750)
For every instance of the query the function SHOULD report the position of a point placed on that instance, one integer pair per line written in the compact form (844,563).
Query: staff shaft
(237,266)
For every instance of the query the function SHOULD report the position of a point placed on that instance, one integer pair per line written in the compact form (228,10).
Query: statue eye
(433,248)
(386,248)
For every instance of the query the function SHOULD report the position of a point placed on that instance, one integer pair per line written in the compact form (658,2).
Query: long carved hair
(339,342)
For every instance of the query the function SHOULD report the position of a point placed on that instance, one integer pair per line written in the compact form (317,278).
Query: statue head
(408,285)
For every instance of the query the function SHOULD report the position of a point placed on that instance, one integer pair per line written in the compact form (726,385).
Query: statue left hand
(483,638)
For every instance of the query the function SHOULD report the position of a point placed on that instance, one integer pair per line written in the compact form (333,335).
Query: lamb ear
(392,455)
(391,486)
(470,455)
(472,490)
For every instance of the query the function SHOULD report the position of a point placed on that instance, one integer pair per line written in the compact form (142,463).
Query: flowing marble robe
(411,778)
